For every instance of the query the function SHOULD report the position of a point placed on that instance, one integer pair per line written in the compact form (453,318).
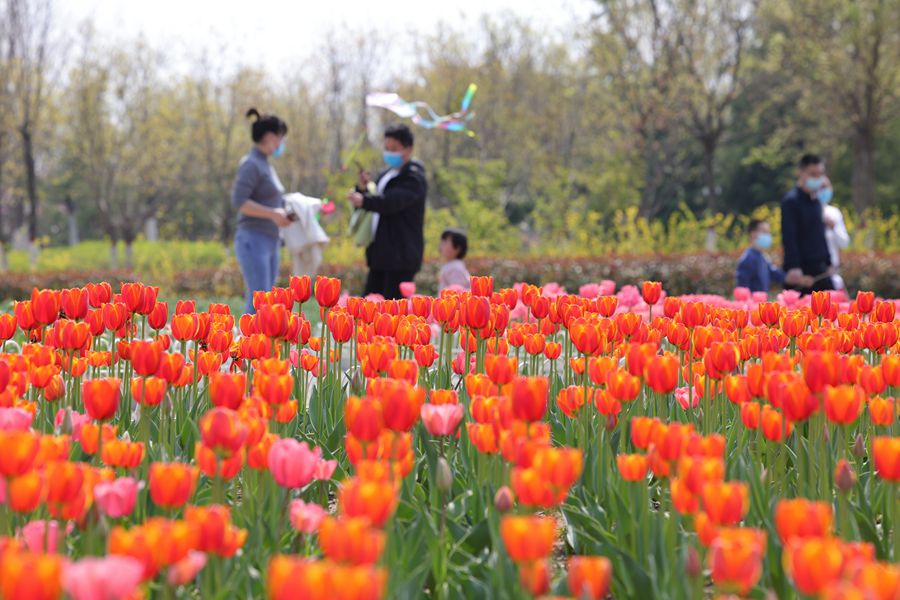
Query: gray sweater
(256,180)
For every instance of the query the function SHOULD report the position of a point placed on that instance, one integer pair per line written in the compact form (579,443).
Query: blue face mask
(279,150)
(825,195)
(393,159)
(814,184)
(763,241)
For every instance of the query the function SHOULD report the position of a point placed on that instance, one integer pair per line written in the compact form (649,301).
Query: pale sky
(274,33)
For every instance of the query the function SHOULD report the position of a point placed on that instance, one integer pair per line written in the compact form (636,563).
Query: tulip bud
(826,433)
(859,446)
(444,475)
(611,422)
(692,566)
(66,428)
(503,500)
(844,476)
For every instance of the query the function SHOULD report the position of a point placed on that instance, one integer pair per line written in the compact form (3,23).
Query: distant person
(258,198)
(754,271)
(395,253)
(803,231)
(836,235)
(453,248)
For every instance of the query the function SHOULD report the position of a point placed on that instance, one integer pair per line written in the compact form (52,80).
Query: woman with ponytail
(257,196)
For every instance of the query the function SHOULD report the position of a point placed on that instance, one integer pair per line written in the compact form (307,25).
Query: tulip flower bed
(509,443)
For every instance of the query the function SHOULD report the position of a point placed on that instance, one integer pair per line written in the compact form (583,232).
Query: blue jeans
(259,256)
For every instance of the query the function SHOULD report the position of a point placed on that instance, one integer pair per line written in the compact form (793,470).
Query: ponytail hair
(263,124)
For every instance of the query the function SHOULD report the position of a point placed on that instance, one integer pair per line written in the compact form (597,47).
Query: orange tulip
(586,336)
(529,397)
(528,538)
(623,386)
(661,373)
(172,484)
(696,472)
(327,291)
(684,501)
(482,286)
(735,558)
(651,291)
(31,576)
(800,518)
(881,411)
(148,391)
(843,403)
(632,467)
(886,452)
(215,533)
(18,450)
(483,436)
(560,467)
(101,397)
(570,400)
(122,454)
(774,426)
(589,576)
(351,540)
(879,580)
(146,357)
(26,492)
(500,370)
(274,389)
(89,436)
(401,403)
(814,564)
(535,577)
(222,430)
(642,429)
(227,389)
(374,500)
(726,503)
(364,417)
(890,369)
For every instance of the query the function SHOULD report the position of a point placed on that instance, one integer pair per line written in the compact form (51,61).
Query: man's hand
(356,199)
(795,277)
(280,217)
(807,281)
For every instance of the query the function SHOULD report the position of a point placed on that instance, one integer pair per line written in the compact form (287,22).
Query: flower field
(500,443)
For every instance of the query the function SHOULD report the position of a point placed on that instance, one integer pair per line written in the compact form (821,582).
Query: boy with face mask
(754,271)
(807,262)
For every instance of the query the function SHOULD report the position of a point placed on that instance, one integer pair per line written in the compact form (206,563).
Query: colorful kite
(430,120)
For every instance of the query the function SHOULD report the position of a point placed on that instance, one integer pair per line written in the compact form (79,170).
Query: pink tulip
(117,498)
(607,287)
(185,570)
(441,419)
(108,578)
(38,539)
(292,463)
(589,290)
(683,396)
(407,289)
(789,297)
(14,419)
(629,296)
(327,208)
(741,294)
(759,297)
(306,516)
(324,468)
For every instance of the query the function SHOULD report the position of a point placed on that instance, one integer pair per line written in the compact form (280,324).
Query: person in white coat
(836,235)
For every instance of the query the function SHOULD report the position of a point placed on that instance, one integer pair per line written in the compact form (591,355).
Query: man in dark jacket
(807,263)
(397,200)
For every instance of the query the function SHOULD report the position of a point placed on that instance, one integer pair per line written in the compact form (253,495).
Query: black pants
(387,283)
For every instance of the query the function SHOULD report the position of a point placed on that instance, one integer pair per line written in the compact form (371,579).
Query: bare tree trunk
(31,190)
(709,175)
(863,179)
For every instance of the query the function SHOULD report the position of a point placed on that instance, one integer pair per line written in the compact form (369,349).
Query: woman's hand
(279,217)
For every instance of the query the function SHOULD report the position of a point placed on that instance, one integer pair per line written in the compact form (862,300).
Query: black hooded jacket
(399,238)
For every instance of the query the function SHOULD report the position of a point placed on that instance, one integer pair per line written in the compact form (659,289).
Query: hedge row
(685,274)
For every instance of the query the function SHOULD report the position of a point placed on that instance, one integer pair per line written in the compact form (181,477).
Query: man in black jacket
(807,263)
(398,204)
